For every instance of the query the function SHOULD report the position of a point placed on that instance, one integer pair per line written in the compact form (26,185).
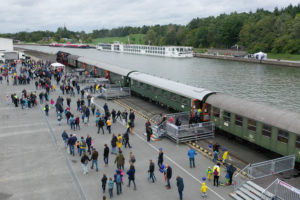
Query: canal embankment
(250,60)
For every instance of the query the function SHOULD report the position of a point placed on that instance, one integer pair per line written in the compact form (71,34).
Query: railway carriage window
(267,130)
(297,144)
(283,136)
(238,120)
(216,112)
(251,125)
(226,116)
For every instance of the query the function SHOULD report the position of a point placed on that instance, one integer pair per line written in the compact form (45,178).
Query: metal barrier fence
(281,190)
(114,92)
(262,169)
(183,117)
(190,132)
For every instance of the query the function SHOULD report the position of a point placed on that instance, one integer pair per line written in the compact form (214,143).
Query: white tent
(58,66)
(260,56)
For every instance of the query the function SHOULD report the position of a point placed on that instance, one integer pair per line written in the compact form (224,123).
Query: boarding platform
(184,132)
(113,92)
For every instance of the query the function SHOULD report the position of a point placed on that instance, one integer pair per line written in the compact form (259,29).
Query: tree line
(277,31)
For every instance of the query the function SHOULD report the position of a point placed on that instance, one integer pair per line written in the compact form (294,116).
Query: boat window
(283,136)
(266,130)
(226,116)
(297,144)
(238,120)
(251,125)
(216,112)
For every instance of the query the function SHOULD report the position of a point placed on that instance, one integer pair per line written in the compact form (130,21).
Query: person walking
(126,139)
(110,187)
(65,138)
(180,186)
(103,181)
(82,146)
(108,125)
(88,141)
(46,109)
(100,125)
(84,162)
(105,154)
(151,171)
(168,173)
(119,141)
(217,173)
(71,143)
(94,159)
(230,170)
(120,160)
(191,154)
(118,181)
(131,158)
(114,144)
(160,158)
(131,174)
(93,108)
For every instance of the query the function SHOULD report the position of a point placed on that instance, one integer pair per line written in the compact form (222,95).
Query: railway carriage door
(197,106)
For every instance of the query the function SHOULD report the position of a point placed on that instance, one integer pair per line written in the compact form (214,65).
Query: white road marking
(23,132)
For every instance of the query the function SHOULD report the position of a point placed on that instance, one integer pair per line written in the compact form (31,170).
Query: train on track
(265,126)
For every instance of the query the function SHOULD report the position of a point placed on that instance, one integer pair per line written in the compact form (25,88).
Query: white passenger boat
(166,51)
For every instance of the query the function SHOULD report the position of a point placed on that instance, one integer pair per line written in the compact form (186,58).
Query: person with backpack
(114,144)
(110,187)
(84,162)
(230,170)
(82,146)
(131,173)
(217,173)
(118,181)
(105,154)
(100,125)
(46,109)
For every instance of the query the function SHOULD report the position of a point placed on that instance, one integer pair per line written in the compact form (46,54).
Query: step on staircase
(250,191)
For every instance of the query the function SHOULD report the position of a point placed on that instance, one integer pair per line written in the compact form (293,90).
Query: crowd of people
(45,80)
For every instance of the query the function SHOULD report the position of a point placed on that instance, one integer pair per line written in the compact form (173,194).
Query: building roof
(104,66)
(171,86)
(269,115)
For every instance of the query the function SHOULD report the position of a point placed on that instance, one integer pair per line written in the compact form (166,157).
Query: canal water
(273,85)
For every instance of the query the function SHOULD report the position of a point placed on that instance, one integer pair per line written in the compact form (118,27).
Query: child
(208,173)
(78,146)
(227,179)
(104,180)
(110,187)
(52,103)
(203,190)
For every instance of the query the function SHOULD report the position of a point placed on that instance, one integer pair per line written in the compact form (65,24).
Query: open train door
(203,108)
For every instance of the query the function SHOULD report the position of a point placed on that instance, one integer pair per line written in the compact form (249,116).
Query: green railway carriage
(268,127)
(174,95)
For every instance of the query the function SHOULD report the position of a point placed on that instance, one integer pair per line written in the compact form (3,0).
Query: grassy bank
(283,56)
(134,39)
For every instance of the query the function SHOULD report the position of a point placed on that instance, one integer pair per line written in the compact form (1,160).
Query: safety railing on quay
(188,132)
(263,169)
(114,92)
(280,190)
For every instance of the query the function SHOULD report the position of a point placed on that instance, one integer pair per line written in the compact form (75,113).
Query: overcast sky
(87,15)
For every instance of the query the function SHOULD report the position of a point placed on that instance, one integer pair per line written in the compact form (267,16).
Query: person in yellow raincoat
(203,190)
(208,173)
(225,155)
(54,87)
(119,141)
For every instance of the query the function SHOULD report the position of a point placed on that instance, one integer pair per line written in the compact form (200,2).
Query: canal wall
(250,60)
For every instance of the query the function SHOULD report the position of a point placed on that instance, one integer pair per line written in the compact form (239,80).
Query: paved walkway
(36,165)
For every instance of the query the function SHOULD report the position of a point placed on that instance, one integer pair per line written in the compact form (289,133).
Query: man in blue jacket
(191,154)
